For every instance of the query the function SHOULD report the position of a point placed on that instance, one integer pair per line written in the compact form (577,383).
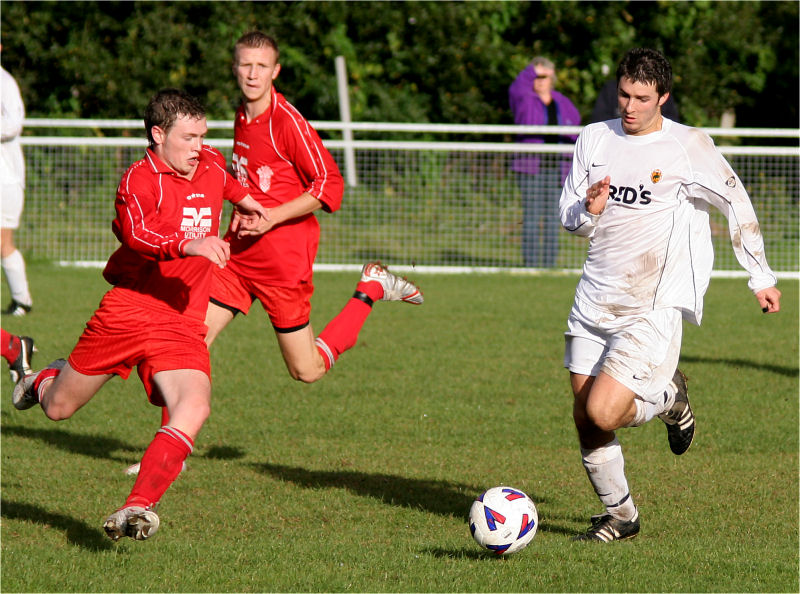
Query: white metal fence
(443,204)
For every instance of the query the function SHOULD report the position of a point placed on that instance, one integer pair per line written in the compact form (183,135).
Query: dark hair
(644,65)
(166,107)
(257,39)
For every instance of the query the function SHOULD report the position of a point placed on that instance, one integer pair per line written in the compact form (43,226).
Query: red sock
(45,375)
(373,289)
(161,465)
(11,346)
(341,333)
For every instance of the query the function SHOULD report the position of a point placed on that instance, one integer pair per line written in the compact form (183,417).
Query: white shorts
(640,351)
(13,198)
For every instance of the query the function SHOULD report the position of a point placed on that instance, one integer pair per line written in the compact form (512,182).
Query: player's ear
(158,134)
(277,71)
(663,99)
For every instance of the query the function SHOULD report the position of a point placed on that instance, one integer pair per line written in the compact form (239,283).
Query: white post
(728,119)
(344,115)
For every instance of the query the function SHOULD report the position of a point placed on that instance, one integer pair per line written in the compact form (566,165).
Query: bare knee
(307,374)
(307,368)
(190,417)
(589,434)
(606,404)
(57,403)
(56,411)
(302,355)
(603,417)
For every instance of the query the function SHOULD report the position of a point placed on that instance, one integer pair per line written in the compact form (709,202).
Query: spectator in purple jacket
(534,102)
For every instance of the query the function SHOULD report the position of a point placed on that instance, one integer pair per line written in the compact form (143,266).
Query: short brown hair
(648,66)
(256,39)
(166,106)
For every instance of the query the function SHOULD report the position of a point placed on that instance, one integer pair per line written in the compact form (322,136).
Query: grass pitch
(363,481)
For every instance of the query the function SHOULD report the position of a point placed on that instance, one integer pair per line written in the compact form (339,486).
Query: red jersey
(277,157)
(158,212)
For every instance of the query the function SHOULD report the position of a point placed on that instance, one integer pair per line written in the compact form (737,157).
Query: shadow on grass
(95,446)
(223,453)
(77,533)
(777,369)
(439,497)
(461,553)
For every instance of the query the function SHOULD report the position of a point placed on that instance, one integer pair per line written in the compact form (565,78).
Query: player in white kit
(640,189)
(12,173)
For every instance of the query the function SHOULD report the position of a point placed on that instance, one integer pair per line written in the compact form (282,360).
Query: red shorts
(288,308)
(122,334)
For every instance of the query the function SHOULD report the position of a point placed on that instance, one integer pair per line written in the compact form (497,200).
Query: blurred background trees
(443,62)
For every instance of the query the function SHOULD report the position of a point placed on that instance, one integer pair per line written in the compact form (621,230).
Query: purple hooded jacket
(529,110)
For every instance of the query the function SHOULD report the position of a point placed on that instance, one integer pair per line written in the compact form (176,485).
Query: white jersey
(12,164)
(651,246)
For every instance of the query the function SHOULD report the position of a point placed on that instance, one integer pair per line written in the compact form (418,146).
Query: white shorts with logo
(13,199)
(640,351)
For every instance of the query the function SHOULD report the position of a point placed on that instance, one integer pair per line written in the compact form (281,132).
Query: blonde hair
(257,39)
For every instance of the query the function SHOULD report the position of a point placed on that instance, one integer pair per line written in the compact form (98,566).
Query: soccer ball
(503,520)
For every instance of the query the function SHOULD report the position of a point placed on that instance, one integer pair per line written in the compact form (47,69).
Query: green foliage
(411,61)
(362,482)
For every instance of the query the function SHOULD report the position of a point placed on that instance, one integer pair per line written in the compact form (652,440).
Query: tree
(407,61)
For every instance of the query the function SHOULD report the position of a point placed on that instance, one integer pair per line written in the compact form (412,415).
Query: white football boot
(138,523)
(395,288)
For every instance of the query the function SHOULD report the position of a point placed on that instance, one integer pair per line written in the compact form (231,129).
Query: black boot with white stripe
(680,418)
(606,528)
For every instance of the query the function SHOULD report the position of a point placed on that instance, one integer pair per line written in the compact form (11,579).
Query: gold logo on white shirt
(655,176)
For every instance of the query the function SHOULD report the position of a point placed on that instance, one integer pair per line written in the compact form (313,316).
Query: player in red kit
(280,159)
(168,211)
(18,352)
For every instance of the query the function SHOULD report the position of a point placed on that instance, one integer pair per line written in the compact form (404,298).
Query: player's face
(255,69)
(639,107)
(180,147)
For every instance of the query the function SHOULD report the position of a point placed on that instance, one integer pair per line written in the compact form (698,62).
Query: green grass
(363,481)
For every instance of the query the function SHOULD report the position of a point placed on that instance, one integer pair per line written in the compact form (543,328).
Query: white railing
(441,204)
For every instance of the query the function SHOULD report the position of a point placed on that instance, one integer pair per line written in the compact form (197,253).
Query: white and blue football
(503,520)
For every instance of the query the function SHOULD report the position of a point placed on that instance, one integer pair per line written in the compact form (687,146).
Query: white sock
(605,468)
(647,410)
(14,267)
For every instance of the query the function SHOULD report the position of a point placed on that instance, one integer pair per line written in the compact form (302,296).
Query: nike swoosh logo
(598,164)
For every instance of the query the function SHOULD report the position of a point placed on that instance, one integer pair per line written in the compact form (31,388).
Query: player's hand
(251,222)
(250,218)
(212,247)
(597,195)
(769,299)
(249,225)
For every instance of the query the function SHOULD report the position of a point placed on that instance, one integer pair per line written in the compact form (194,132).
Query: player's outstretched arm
(212,247)
(769,299)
